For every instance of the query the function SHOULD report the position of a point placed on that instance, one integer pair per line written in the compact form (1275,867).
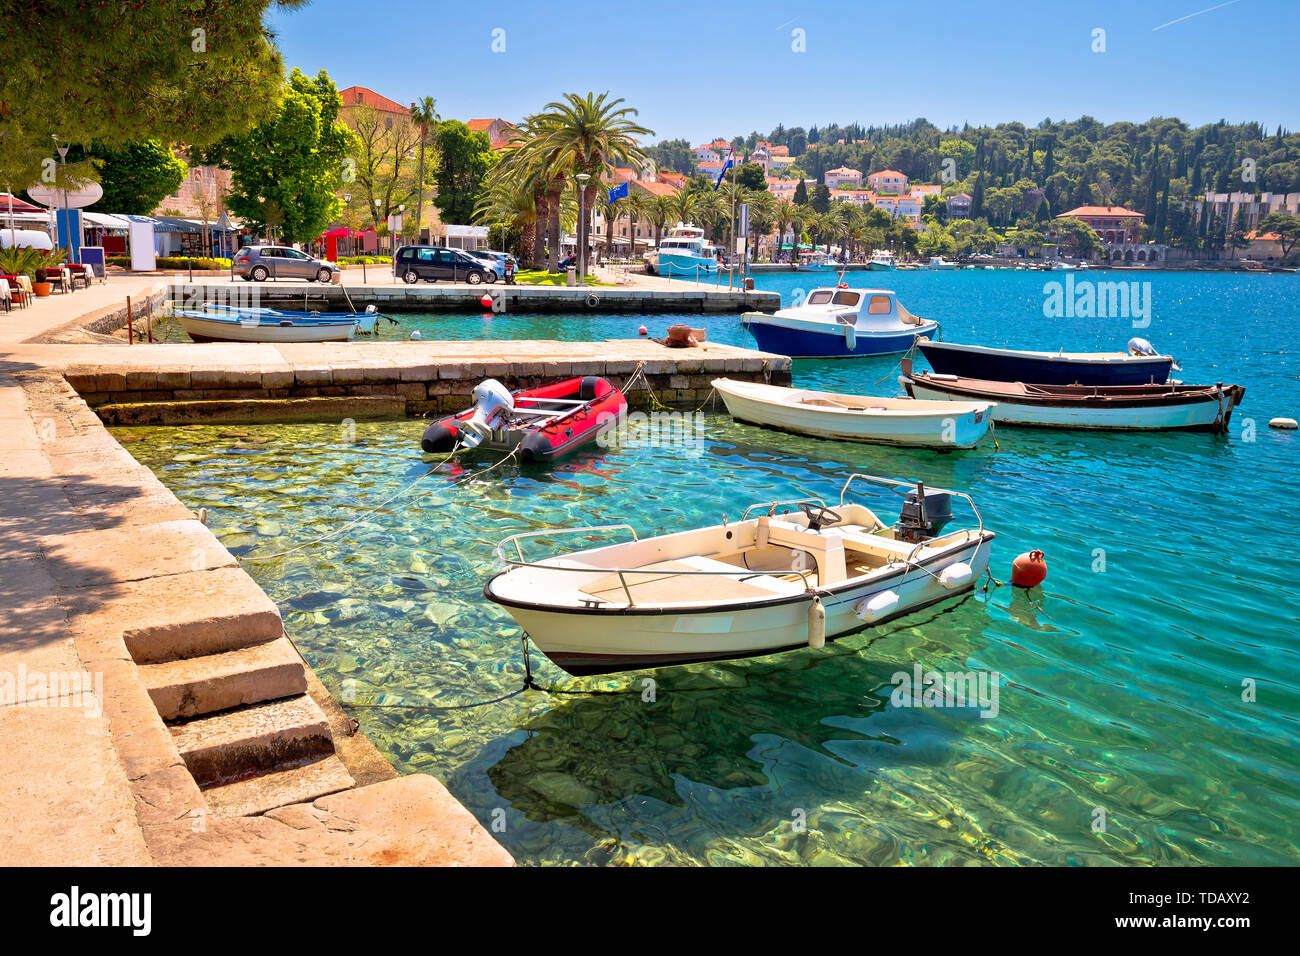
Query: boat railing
(521,562)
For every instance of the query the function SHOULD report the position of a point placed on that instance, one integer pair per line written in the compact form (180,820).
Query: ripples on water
(1171,581)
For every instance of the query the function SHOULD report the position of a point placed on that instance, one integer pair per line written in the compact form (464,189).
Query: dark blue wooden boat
(1133,367)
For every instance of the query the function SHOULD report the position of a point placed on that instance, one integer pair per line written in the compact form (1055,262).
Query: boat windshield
(820,297)
(879,305)
(847,298)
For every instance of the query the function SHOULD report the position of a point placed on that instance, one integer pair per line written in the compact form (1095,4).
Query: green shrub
(368,260)
(174,262)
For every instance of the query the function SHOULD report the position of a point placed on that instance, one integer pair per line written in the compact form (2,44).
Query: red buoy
(486,301)
(1028,570)
(642,331)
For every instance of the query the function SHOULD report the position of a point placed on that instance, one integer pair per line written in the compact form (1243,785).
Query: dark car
(431,263)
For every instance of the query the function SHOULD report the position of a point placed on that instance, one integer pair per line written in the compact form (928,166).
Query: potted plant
(41,284)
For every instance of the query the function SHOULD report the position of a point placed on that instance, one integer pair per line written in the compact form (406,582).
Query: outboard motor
(1138,346)
(925,512)
(491,401)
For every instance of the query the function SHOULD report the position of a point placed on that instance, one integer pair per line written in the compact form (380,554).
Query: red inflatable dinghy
(543,423)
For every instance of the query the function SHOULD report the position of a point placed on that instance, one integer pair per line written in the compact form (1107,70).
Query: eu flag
(618,192)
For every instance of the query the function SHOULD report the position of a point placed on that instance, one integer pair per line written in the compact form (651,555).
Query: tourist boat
(1140,365)
(1122,407)
(365,321)
(864,418)
(541,423)
(839,322)
(215,326)
(939,262)
(767,582)
(1058,265)
(683,252)
(814,262)
(882,260)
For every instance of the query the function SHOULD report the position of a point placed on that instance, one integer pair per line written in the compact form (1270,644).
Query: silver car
(259,263)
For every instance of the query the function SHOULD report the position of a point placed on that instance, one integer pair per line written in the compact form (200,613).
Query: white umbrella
(26,237)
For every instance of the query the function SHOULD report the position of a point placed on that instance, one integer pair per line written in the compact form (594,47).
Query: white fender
(875,607)
(956,576)
(816,623)
(850,337)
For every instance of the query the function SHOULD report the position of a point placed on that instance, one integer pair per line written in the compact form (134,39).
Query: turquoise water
(1121,679)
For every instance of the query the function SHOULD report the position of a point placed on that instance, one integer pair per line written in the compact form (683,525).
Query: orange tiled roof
(654,188)
(1111,211)
(1266,237)
(360,96)
(887,172)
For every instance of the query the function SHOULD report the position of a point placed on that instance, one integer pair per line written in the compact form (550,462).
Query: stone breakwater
(229,383)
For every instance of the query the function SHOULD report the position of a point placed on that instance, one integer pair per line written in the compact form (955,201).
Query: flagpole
(731,269)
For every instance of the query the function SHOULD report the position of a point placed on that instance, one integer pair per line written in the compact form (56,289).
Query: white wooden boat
(864,418)
(762,584)
(213,326)
(1121,407)
(365,321)
(939,262)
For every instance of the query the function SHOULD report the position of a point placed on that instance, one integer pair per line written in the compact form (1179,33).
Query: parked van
(431,263)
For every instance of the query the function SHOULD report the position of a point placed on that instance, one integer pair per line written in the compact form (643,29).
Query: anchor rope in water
(387,501)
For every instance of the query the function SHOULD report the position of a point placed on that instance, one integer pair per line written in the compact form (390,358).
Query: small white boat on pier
(863,418)
(768,582)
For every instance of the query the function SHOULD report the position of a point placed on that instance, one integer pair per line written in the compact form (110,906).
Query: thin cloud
(1217,6)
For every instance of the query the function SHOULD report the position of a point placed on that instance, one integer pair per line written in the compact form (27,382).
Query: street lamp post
(347,234)
(582,224)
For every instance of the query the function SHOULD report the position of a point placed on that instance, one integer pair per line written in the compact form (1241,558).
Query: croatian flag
(731,161)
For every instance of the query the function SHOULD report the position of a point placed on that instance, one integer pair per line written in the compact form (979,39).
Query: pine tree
(801,193)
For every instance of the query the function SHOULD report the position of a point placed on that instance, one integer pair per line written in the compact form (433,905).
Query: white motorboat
(839,322)
(365,321)
(213,326)
(882,260)
(815,262)
(684,253)
(864,418)
(762,584)
(939,262)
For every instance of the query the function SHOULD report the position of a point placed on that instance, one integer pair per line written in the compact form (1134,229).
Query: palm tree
(424,115)
(612,211)
(507,200)
(783,216)
(685,205)
(581,135)
(635,207)
(658,211)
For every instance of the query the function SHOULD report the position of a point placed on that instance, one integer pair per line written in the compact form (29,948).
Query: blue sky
(696,70)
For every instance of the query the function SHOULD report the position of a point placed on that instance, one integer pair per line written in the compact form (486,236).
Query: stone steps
(258,738)
(202,685)
(302,783)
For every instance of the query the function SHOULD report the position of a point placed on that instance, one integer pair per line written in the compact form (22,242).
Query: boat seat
(663,583)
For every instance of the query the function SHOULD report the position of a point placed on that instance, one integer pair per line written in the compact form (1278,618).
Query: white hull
(1200,415)
(593,640)
(233,331)
(906,422)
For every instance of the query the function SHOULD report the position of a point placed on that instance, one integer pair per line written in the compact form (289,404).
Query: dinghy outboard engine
(925,512)
(492,400)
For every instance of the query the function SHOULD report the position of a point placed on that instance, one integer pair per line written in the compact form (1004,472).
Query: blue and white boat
(213,325)
(683,253)
(815,262)
(882,260)
(840,322)
(364,321)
